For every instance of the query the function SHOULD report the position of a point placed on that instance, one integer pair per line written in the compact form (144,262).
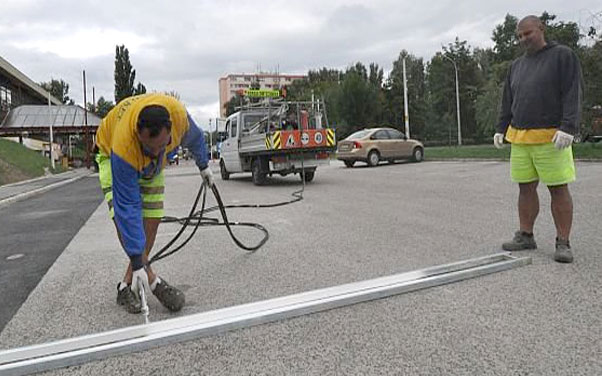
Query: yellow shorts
(542,162)
(151,190)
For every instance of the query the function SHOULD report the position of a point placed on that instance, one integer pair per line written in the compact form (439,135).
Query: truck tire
(309,175)
(259,177)
(222,169)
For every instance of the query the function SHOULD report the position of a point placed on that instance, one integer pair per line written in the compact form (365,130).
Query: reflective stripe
(330,137)
(152,213)
(152,205)
(151,190)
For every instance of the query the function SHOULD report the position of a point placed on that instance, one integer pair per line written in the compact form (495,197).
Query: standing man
(134,140)
(541,108)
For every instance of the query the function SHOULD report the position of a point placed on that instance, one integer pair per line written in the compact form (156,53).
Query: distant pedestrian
(540,116)
(135,140)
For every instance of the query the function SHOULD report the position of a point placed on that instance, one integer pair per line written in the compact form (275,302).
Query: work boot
(126,297)
(521,241)
(171,298)
(563,251)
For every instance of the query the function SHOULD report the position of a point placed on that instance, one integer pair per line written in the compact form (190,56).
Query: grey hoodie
(543,90)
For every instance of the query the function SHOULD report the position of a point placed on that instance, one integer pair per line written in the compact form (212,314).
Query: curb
(24,195)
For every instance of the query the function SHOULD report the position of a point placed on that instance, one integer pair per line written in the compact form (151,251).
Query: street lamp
(457,99)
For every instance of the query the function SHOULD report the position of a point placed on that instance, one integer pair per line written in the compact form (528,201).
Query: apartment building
(240,82)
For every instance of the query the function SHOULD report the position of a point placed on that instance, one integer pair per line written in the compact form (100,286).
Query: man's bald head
(530,32)
(534,20)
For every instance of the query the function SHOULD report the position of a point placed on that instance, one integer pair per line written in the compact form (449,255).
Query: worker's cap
(154,116)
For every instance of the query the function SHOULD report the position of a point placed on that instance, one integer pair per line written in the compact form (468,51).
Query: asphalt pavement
(353,224)
(39,219)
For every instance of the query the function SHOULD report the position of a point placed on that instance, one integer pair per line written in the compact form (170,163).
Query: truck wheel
(222,169)
(309,176)
(257,174)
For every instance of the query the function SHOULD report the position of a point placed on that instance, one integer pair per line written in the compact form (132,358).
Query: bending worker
(540,113)
(134,141)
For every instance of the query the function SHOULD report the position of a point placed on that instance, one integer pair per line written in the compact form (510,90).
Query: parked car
(378,144)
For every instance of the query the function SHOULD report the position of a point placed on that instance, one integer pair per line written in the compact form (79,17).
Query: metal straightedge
(79,350)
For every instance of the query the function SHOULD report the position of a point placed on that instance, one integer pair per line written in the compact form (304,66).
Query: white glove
(562,140)
(498,140)
(207,176)
(142,276)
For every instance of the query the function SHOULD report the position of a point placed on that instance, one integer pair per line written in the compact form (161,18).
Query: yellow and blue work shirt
(117,137)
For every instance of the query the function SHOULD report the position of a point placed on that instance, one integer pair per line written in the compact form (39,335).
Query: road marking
(16,256)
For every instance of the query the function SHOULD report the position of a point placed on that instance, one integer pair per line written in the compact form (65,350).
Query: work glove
(207,176)
(498,140)
(562,140)
(140,275)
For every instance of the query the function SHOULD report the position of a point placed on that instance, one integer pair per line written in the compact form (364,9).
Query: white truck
(277,137)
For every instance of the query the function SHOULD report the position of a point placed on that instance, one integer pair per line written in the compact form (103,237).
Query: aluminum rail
(79,350)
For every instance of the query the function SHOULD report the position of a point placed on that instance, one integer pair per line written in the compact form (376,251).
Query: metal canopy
(69,352)
(38,118)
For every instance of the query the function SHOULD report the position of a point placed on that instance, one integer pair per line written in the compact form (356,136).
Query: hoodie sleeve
(195,142)
(571,91)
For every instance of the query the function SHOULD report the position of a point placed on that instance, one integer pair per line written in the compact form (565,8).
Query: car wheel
(222,169)
(257,174)
(349,163)
(417,154)
(309,176)
(373,158)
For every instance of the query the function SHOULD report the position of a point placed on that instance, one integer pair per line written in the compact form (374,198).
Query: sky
(187,45)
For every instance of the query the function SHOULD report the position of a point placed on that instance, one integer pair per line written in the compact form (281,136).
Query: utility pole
(406,114)
(86,135)
(51,136)
(211,140)
(457,100)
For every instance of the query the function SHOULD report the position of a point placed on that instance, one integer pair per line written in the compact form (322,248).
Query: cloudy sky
(188,46)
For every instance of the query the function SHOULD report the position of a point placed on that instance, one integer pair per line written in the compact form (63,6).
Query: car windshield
(359,134)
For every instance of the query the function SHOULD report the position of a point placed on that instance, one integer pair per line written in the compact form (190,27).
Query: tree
(125,75)
(506,43)
(236,101)
(103,107)
(357,102)
(591,63)
(561,32)
(140,89)
(441,83)
(58,89)
(487,107)
(173,93)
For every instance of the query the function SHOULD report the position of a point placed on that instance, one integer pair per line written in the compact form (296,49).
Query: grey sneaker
(563,251)
(520,242)
(127,298)
(171,298)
